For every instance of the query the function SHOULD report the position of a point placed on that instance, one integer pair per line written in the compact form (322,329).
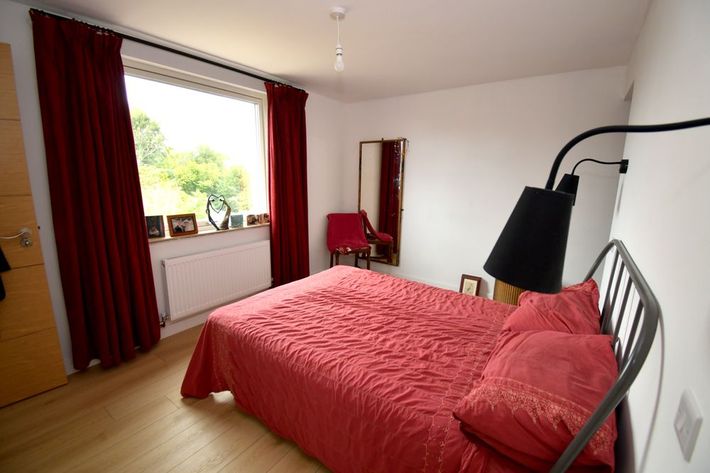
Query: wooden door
(30,357)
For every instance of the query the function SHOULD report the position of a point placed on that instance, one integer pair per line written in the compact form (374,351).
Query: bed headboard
(630,313)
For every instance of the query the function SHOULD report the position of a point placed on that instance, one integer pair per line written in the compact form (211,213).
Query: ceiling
(392,47)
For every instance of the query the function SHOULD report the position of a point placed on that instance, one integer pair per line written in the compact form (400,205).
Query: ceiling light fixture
(338,13)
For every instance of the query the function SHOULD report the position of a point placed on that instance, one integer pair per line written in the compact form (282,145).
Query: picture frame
(252,219)
(154,226)
(470,285)
(237,221)
(182,225)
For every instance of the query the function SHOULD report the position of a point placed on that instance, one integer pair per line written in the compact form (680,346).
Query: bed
(369,373)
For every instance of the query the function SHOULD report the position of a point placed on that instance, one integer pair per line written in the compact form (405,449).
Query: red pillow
(535,394)
(573,310)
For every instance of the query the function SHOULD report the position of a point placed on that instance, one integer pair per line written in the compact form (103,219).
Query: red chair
(346,236)
(377,238)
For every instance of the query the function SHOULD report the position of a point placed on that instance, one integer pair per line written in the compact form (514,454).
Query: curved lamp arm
(619,129)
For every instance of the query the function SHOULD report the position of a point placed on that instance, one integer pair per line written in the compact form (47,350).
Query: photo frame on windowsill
(154,226)
(182,225)
(470,285)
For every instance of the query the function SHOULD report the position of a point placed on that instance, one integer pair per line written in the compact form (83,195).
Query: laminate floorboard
(132,419)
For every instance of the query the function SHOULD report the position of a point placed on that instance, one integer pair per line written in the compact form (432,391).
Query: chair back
(383,237)
(345,231)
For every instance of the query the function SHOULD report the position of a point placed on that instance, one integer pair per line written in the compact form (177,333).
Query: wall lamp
(530,251)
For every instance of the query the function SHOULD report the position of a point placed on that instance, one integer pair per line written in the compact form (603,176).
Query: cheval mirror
(380,192)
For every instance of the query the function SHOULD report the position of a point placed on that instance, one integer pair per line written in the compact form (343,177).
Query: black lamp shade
(530,252)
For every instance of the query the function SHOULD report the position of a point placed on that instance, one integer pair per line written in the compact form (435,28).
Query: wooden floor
(132,419)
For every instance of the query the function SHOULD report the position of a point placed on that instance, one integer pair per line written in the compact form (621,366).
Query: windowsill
(210,231)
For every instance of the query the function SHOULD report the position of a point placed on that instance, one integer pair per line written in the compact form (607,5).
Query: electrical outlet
(687,423)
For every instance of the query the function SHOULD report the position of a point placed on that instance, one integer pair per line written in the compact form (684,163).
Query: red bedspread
(360,369)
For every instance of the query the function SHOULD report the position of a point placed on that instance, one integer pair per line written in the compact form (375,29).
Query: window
(195,138)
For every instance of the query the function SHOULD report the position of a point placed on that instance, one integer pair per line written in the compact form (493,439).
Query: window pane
(191,144)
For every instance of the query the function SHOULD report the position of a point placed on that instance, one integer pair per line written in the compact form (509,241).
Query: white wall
(471,152)
(325,131)
(663,215)
(323,164)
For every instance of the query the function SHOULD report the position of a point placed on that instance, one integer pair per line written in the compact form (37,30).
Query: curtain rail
(165,48)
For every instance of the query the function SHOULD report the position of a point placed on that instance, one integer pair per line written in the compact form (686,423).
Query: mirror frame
(404,145)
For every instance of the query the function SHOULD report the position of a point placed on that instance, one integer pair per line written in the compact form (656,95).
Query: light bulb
(339,64)
(338,13)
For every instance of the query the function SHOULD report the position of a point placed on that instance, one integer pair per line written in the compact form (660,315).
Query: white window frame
(170,76)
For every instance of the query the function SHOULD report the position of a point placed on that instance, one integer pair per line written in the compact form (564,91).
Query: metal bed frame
(637,339)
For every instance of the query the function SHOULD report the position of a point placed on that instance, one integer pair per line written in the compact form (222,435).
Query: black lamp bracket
(619,129)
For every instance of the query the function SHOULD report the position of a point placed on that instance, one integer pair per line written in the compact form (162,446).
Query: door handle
(24,235)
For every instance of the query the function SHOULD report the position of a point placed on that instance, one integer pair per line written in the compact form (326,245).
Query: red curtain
(99,226)
(388,221)
(288,189)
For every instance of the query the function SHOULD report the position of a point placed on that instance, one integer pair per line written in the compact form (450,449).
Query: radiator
(202,281)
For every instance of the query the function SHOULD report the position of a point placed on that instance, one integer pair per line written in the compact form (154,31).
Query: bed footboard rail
(628,302)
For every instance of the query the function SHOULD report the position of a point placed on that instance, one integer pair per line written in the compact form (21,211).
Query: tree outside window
(190,144)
